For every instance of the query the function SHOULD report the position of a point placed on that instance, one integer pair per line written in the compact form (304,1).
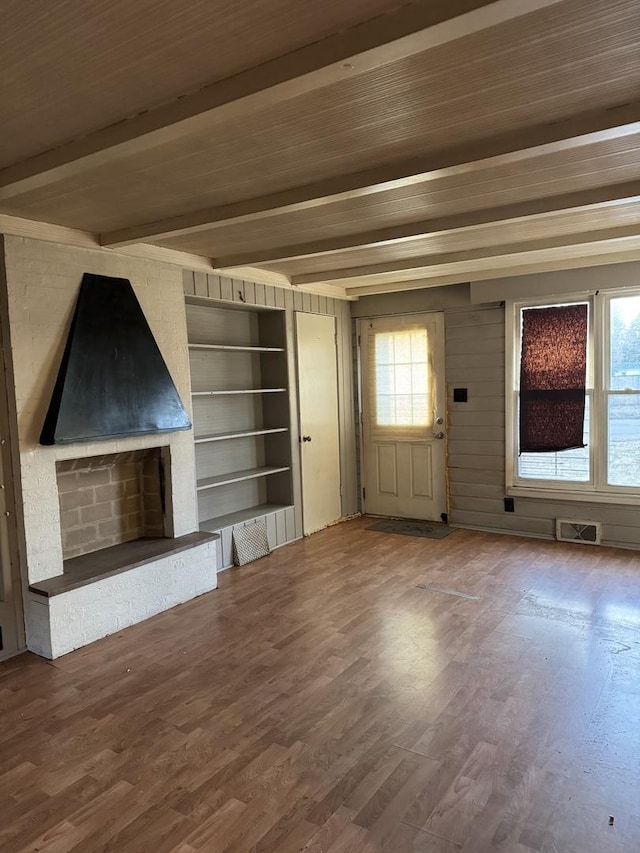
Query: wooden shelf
(213,524)
(243,433)
(237,391)
(238,476)
(234,348)
(230,423)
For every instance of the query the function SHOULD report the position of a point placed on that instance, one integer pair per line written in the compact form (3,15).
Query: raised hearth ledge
(88,568)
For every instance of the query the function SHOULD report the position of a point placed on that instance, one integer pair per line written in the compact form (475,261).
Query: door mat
(423,529)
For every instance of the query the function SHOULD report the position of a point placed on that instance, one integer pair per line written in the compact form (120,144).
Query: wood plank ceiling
(368,144)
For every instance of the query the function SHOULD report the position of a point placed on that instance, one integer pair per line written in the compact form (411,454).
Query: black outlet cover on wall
(509,505)
(459,395)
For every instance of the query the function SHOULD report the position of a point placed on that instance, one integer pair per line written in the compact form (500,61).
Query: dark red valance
(553,370)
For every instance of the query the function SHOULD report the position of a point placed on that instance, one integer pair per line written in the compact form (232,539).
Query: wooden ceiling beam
(572,132)
(526,267)
(409,30)
(620,238)
(596,197)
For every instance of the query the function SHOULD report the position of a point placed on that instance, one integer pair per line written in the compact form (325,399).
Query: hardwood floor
(320,702)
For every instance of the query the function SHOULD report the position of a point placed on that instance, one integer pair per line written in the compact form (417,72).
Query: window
(609,463)
(400,399)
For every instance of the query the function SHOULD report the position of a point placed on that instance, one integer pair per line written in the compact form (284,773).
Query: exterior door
(318,402)
(403,410)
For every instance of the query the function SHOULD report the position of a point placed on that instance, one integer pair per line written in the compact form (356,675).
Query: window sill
(577,496)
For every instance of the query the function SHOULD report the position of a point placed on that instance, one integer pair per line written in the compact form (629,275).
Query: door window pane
(385,379)
(625,343)
(401,379)
(624,440)
(386,409)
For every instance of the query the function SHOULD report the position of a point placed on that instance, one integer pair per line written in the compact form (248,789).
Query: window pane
(385,379)
(563,465)
(385,410)
(624,440)
(404,414)
(402,347)
(384,348)
(403,378)
(625,343)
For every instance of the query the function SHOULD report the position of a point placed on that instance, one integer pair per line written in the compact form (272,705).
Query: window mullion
(600,349)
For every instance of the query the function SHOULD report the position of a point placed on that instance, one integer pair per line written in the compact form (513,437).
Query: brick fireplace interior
(111,499)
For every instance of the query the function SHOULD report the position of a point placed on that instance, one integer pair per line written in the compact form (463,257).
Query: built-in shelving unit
(240,383)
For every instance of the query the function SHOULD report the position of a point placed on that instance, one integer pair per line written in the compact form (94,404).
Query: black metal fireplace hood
(113,381)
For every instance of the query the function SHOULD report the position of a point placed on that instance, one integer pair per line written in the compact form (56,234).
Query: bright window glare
(401,378)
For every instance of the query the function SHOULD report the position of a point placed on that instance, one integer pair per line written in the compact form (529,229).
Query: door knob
(306,438)
(439,435)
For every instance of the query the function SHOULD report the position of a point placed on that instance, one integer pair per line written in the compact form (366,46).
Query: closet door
(318,406)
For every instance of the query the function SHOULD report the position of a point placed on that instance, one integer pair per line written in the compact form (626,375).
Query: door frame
(9,465)
(360,390)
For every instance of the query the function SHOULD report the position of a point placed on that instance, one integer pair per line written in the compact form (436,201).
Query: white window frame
(596,489)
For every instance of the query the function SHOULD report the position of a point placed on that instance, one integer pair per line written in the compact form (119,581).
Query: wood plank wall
(475,359)
(253,293)
(475,354)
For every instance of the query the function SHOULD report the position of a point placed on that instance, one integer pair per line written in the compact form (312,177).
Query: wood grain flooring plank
(330,831)
(410,839)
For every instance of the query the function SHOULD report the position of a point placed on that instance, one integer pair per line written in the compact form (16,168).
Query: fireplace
(101,551)
(111,499)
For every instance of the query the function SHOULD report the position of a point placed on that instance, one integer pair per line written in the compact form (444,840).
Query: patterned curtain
(553,370)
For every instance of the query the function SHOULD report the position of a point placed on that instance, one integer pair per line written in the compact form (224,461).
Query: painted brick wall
(67,622)
(43,281)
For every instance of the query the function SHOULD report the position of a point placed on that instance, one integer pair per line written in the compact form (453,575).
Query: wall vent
(575,530)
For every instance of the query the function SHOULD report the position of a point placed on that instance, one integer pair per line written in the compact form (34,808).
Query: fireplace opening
(108,500)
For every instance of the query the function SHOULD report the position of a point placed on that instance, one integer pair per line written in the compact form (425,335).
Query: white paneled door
(318,401)
(403,416)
